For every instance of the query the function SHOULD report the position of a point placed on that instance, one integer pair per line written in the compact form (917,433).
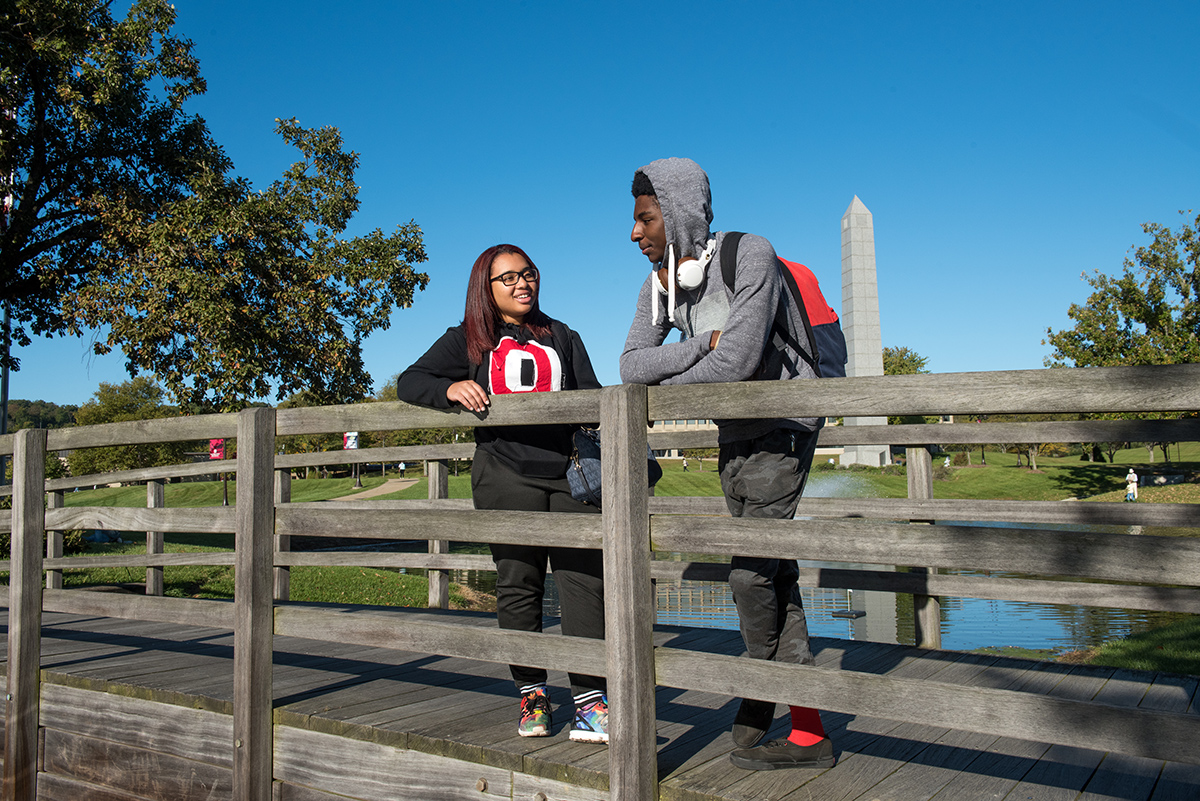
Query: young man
(733,336)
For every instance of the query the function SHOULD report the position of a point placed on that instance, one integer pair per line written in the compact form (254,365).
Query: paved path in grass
(389,486)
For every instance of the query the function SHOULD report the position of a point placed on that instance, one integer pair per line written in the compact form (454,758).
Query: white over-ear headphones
(687,275)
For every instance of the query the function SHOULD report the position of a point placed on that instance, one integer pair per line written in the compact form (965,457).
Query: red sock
(806,726)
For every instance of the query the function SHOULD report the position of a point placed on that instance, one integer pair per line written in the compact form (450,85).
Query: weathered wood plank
(446,561)
(1084,513)
(1186,430)
(177,730)
(24,617)
(141,560)
(1177,783)
(144,474)
(401,453)
(184,611)
(629,603)
(207,520)
(526,786)
(52,787)
(1157,560)
(282,576)
(253,603)
(1114,596)
(455,504)
(543,528)
(137,432)
(155,499)
(1166,388)
(927,608)
(142,772)
(1062,772)
(1052,720)
(1121,776)
(572,654)
(54,543)
(832,436)
(438,473)
(574,407)
(374,772)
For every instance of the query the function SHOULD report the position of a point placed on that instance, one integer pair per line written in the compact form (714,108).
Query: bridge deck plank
(467,710)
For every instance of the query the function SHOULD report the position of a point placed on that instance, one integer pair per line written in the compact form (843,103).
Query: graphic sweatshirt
(518,363)
(749,348)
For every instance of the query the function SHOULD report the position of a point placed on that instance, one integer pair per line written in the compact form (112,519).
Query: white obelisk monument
(860,319)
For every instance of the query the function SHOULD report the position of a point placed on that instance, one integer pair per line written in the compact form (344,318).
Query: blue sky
(1003,149)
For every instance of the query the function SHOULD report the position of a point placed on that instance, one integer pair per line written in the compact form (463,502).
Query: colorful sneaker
(591,721)
(535,714)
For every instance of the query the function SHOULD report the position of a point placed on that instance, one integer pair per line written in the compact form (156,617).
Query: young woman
(506,344)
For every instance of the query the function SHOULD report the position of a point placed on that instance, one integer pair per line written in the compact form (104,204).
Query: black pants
(521,569)
(765,477)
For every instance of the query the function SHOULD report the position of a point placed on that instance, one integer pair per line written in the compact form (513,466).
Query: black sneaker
(753,720)
(779,754)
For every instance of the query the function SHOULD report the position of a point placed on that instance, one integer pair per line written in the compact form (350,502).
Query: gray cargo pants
(764,477)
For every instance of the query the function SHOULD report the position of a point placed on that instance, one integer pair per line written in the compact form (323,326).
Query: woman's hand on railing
(469,394)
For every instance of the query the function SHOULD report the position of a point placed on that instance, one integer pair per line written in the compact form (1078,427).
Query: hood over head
(686,202)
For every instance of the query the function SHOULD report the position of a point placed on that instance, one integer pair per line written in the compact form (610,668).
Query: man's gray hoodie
(748,350)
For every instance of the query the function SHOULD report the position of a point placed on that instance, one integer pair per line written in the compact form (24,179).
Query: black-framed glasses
(530,274)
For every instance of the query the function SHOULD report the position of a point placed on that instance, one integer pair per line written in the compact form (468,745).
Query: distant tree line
(39,414)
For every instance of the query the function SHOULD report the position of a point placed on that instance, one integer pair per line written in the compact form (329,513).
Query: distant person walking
(1131,482)
(685,464)
(506,344)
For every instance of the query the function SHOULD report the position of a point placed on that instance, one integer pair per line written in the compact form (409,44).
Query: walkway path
(386,488)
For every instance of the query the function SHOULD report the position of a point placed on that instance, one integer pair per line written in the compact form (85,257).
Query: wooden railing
(1156,572)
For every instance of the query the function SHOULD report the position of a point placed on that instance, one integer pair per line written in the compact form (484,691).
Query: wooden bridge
(129,697)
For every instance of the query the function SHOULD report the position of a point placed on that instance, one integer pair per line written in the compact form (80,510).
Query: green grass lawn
(192,494)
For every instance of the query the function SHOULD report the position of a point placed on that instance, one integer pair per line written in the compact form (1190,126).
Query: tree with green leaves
(904,361)
(137,399)
(127,219)
(96,110)
(1150,314)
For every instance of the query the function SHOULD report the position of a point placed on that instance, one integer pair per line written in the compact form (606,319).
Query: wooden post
(54,543)
(253,605)
(155,499)
(25,616)
(439,580)
(927,609)
(283,542)
(629,600)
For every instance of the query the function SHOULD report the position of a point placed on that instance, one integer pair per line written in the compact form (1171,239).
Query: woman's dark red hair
(481,318)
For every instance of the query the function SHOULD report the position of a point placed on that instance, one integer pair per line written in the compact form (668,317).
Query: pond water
(967,623)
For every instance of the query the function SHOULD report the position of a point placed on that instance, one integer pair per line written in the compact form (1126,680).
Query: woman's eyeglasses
(530,274)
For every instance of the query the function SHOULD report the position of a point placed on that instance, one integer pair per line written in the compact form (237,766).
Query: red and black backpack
(828,343)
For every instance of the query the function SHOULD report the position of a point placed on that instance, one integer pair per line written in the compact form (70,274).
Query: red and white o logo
(523,368)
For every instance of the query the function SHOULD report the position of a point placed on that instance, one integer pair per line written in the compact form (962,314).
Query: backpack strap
(729,248)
